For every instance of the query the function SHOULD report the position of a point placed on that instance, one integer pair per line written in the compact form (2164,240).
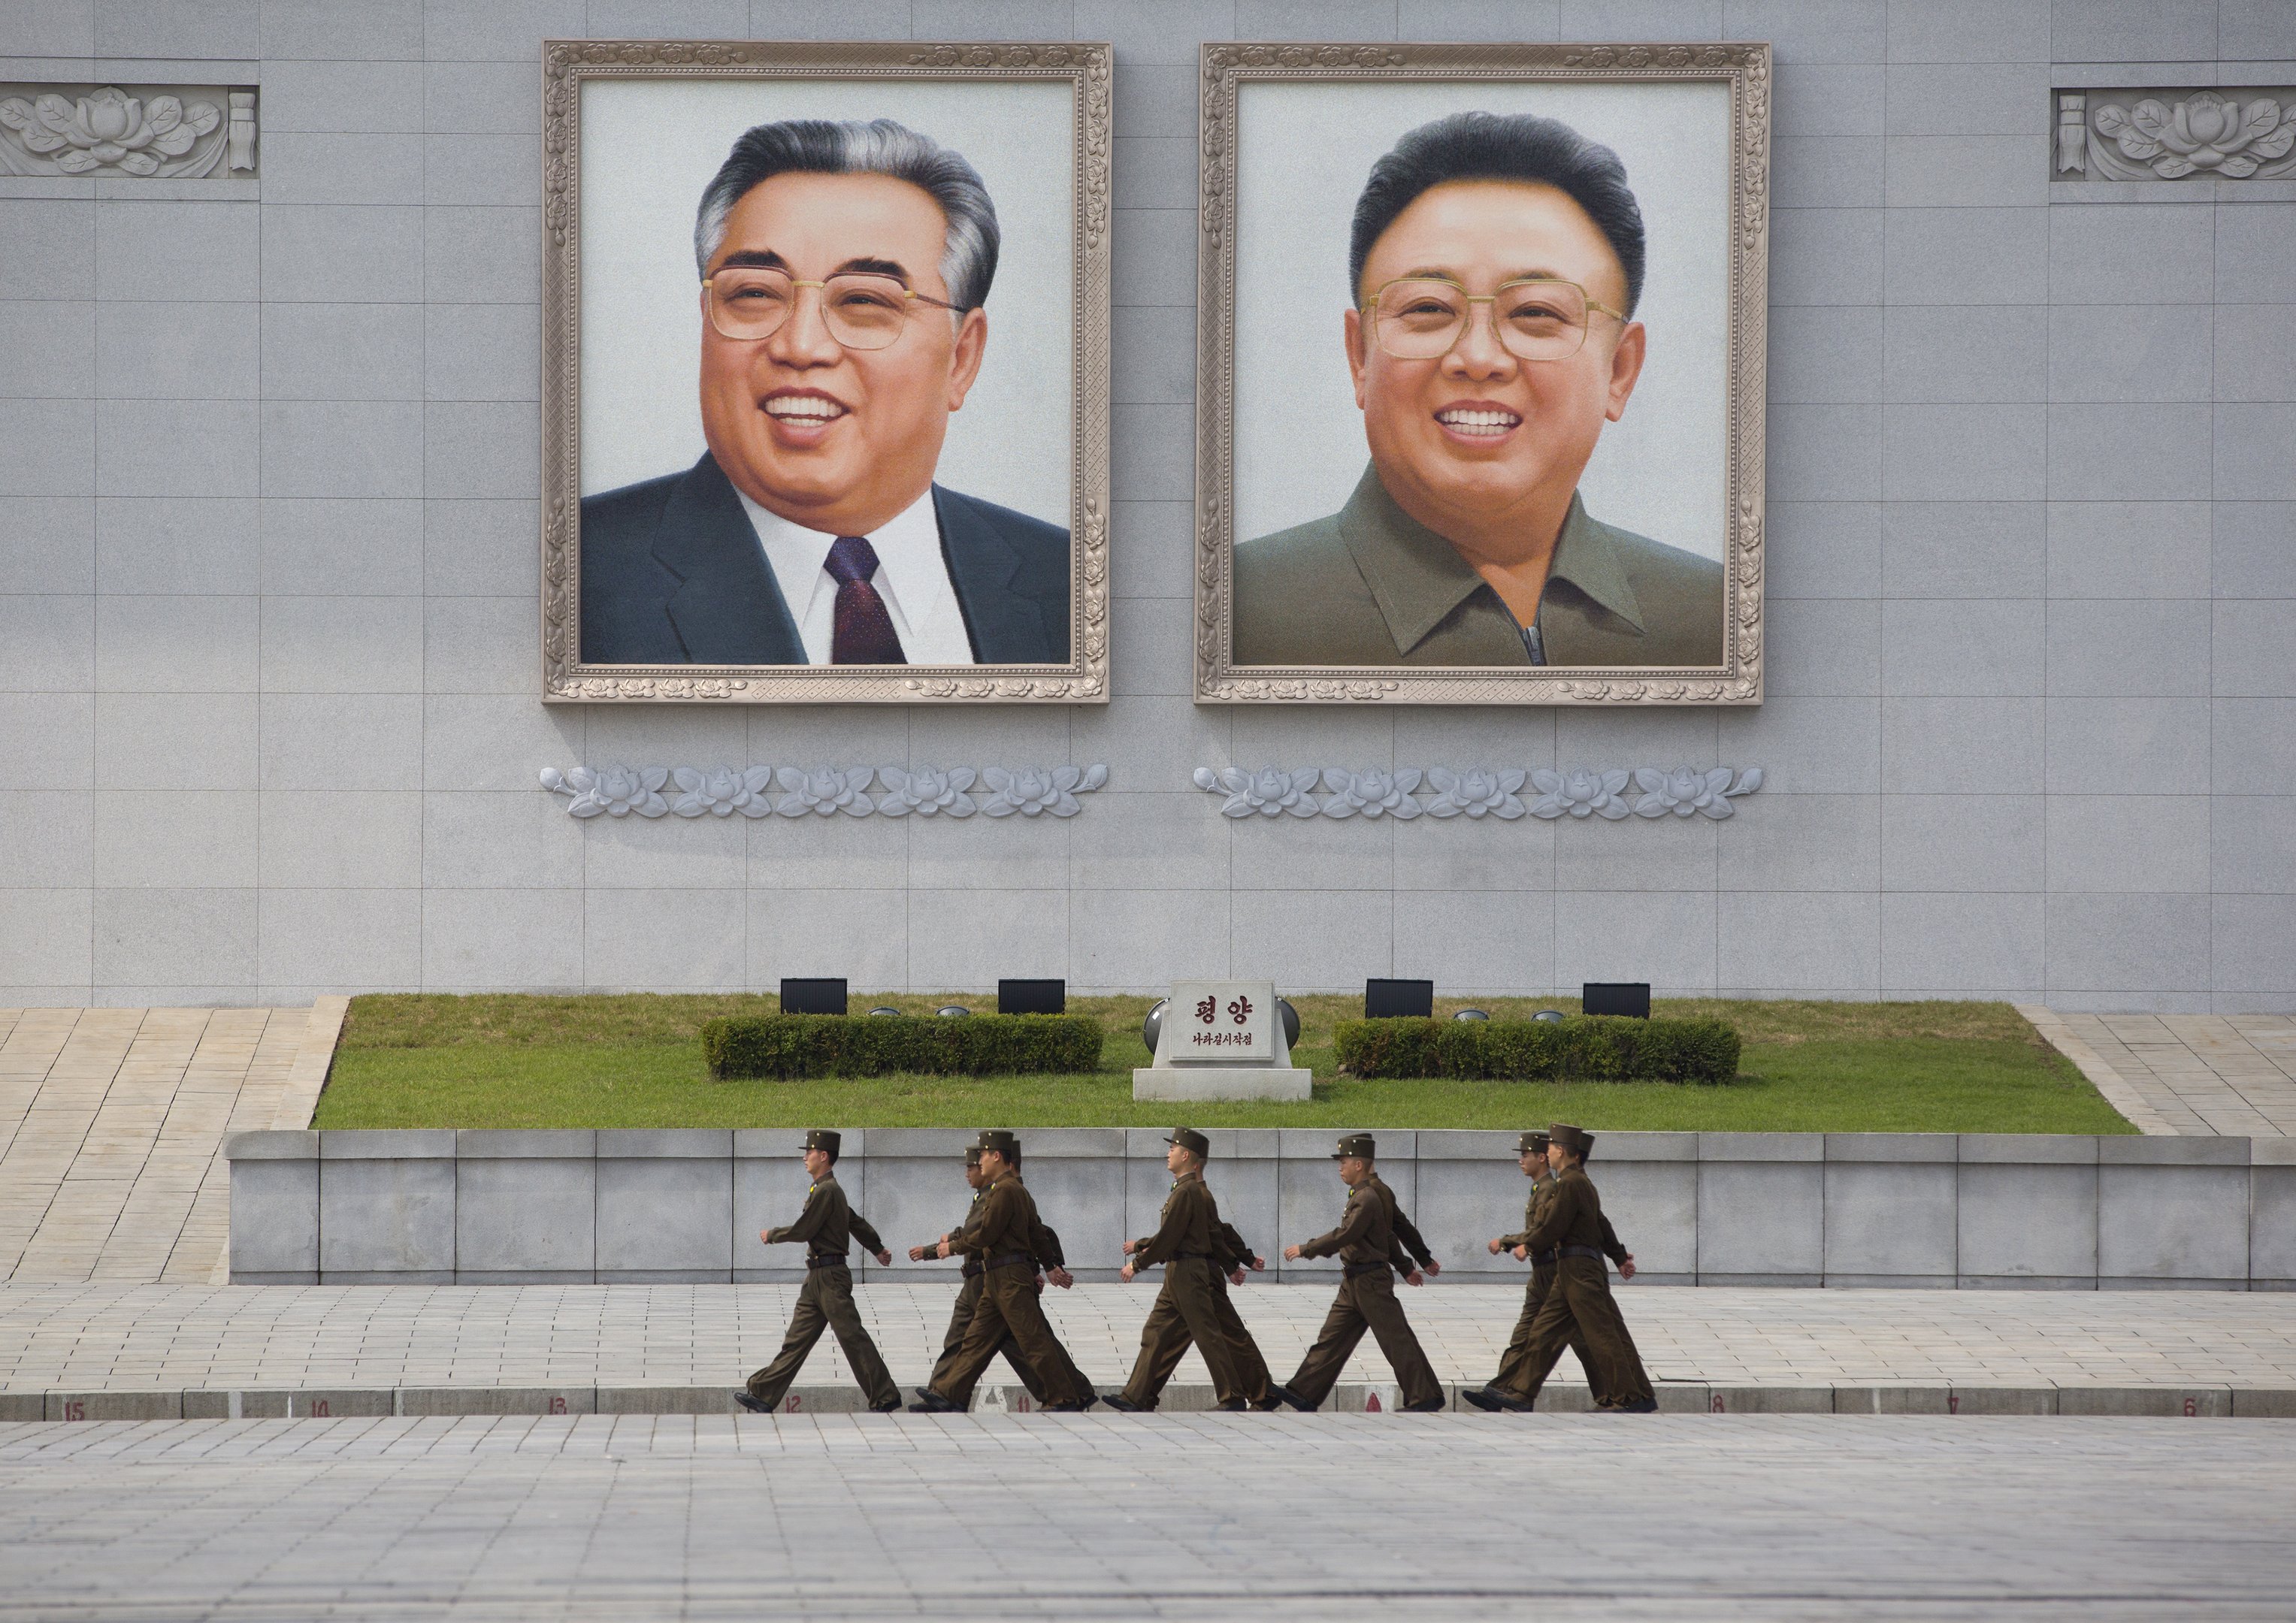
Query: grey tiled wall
(268,508)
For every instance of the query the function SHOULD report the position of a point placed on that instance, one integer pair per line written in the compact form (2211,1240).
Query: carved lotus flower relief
(1475,793)
(926,791)
(2202,132)
(108,130)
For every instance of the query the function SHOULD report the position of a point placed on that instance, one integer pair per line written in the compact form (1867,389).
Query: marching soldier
(1002,1235)
(1532,1151)
(1189,1243)
(827,1228)
(1366,1246)
(1044,1248)
(1571,1224)
(1232,1255)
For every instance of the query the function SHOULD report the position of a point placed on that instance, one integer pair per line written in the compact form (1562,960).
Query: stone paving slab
(1207,1516)
(594,1344)
(112,1123)
(2197,1075)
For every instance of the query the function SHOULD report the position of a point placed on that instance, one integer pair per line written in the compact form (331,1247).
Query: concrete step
(1675,1397)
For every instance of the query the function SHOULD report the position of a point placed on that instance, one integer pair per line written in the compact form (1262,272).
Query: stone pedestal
(1236,1029)
(1201,1082)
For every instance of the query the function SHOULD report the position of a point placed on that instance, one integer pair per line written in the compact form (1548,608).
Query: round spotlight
(953,1010)
(1548,1014)
(1291,1020)
(1471,1014)
(1152,1024)
(881,1009)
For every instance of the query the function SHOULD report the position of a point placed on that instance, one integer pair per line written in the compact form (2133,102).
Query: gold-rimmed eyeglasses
(861,309)
(1534,318)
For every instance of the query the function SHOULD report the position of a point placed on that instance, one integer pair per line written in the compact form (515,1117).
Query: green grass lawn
(635,1061)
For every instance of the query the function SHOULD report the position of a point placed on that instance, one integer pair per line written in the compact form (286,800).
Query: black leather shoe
(1482,1396)
(1063,1408)
(1124,1406)
(1285,1395)
(1433,1406)
(886,1408)
(930,1402)
(1641,1405)
(742,1396)
(1234,1405)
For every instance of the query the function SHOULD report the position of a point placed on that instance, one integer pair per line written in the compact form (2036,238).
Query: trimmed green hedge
(785,1045)
(1575,1048)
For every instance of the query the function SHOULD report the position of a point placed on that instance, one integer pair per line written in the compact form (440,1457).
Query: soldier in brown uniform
(1415,1253)
(1044,1246)
(827,1228)
(1366,1244)
(1002,1235)
(1232,1256)
(1189,1244)
(1532,1151)
(1571,1224)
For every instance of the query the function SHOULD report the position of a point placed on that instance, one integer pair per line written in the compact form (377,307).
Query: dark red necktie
(864,634)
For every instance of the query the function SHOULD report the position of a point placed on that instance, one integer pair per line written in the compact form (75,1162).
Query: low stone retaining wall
(2014,1211)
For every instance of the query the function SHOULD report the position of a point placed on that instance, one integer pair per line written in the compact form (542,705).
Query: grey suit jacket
(1371,586)
(672,574)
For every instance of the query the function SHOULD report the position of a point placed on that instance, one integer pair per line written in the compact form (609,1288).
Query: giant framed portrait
(1482,333)
(826,372)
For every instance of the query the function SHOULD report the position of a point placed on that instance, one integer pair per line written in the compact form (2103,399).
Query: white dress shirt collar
(912,577)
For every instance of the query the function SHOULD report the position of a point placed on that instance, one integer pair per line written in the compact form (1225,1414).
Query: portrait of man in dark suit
(844,270)
(1496,262)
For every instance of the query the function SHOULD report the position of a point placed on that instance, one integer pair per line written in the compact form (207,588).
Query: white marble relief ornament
(105,130)
(821,792)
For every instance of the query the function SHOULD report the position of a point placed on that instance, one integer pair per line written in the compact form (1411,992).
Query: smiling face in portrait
(831,437)
(1467,440)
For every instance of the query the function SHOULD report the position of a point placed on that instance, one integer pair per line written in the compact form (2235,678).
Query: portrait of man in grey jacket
(1496,262)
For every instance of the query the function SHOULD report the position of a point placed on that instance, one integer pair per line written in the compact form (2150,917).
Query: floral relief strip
(823,791)
(1505,793)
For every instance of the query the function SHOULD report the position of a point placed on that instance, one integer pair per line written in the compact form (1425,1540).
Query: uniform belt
(1190,1256)
(1588,1251)
(1545,1258)
(971,1267)
(1355,1269)
(1009,1259)
(824,1262)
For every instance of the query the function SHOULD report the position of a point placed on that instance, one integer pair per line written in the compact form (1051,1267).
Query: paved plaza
(683,1345)
(2197,1075)
(112,1123)
(1206,1516)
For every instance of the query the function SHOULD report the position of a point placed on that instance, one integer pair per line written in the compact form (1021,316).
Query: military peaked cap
(822,1138)
(1578,1141)
(1531,1143)
(972,1155)
(995,1140)
(1356,1143)
(1189,1139)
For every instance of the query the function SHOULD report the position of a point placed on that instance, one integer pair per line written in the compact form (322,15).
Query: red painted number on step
(1023,1405)
(791,1406)
(319,1410)
(75,1410)
(558,1405)
(2192,1407)
(1953,1403)
(1715,1404)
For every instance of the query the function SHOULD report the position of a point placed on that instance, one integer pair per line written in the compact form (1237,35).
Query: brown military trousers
(960,1320)
(1581,1304)
(825,1302)
(1009,1308)
(1515,1360)
(1192,1309)
(1367,1301)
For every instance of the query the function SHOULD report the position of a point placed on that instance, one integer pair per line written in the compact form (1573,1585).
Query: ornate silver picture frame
(1369,581)
(676,177)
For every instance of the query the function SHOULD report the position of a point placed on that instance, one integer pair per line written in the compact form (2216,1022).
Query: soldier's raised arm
(808,1221)
(1355,1224)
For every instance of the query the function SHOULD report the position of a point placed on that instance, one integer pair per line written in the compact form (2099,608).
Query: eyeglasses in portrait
(827,393)
(1484,361)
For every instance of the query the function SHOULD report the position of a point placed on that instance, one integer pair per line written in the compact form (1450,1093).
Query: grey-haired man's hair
(817,146)
(1502,146)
